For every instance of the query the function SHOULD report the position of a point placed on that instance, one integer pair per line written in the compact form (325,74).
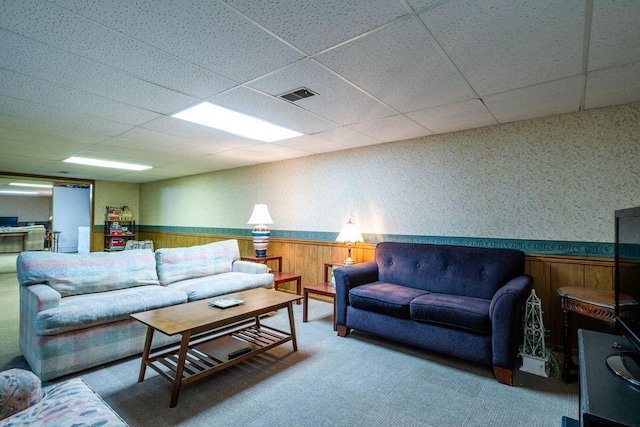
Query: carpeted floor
(330,381)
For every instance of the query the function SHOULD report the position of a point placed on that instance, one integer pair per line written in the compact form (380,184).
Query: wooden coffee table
(213,338)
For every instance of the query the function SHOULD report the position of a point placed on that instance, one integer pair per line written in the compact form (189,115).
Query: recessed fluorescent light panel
(221,118)
(105,164)
(24,184)
(18,193)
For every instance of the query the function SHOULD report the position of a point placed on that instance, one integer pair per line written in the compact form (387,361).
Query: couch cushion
(69,403)
(220,284)
(19,389)
(75,274)
(453,310)
(176,264)
(84,311)
(386,298)
(448,269)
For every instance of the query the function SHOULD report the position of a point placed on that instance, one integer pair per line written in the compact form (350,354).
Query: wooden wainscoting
(307,258)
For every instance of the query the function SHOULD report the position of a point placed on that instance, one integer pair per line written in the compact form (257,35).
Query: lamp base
(260,235)
(348,261)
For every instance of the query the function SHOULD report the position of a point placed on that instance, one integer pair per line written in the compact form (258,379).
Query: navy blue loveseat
(458,300)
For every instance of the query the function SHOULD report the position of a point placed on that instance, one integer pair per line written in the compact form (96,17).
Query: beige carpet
(8,262)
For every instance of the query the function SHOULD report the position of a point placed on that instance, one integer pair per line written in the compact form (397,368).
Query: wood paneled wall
(307,258)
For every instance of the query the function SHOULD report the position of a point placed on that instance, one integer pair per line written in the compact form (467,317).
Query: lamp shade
(350,234)
(260,215)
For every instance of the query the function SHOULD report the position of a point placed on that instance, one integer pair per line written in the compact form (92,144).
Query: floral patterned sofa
(23,402)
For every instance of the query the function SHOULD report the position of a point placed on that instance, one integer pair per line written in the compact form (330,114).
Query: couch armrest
(347,278)
(249,267)
(505,312)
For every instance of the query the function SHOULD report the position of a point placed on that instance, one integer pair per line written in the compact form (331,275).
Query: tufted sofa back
(458,270)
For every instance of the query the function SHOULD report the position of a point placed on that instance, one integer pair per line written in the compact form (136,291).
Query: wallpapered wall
(556,178)
(115,193)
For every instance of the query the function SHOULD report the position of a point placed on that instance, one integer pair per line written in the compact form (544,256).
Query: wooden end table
(595,303)
(325,288)
(264,260)
(279,278)
(212,338)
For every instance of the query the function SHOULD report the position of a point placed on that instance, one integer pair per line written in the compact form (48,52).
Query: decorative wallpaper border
(539,247)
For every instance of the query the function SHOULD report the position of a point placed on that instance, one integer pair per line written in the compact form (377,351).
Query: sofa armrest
(505,312)
(249,267)
(347,278)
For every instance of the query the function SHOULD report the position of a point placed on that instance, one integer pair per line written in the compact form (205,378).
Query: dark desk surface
(605,399)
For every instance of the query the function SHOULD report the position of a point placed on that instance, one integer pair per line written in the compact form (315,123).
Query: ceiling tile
(43,149)
(336,100)
(219,39)
(272,109)
(279,151)
(21,164)
(45,114)
(615,33)
(111,48)
(348,137)
(393,128)
(613,86)
(44,62)
(42,92)
(400,65)
(203,134)
(313,144)
(455,117)
(501,45)
(303,23)
(50,131)
(561,96)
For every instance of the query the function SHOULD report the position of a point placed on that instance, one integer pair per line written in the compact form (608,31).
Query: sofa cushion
(19,389)
(220,284)
(447,269)
(69,403)
(386,298)
(175,264)
(76,274)
(84,311)
(452,310)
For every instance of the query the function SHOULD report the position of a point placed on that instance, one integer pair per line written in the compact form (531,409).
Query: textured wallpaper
(115,193)
(557,178)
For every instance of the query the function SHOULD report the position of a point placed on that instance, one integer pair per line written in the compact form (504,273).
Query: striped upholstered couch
(74,308)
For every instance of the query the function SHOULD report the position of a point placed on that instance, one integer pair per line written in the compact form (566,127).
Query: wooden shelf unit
(112,239)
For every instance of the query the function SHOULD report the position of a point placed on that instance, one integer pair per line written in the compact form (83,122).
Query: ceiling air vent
(297,94)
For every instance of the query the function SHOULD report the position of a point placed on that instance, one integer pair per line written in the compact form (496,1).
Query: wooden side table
(596,303)
(325,288)
(264,259)
(279,278)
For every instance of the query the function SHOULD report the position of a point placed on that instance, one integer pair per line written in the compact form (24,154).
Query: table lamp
(260,232)
(349,234)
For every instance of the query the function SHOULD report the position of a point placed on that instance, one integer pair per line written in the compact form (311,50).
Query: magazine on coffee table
(225,302)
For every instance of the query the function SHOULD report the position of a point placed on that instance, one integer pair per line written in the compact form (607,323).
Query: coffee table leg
(145,353)
(177,382)
(292,325)
(305,306)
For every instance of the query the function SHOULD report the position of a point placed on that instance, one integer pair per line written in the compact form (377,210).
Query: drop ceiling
(102,78)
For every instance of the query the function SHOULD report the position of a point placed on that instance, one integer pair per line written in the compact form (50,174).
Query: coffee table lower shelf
(206,356)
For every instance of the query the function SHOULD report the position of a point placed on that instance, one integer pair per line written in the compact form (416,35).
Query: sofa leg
(503,375)
(343,331)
